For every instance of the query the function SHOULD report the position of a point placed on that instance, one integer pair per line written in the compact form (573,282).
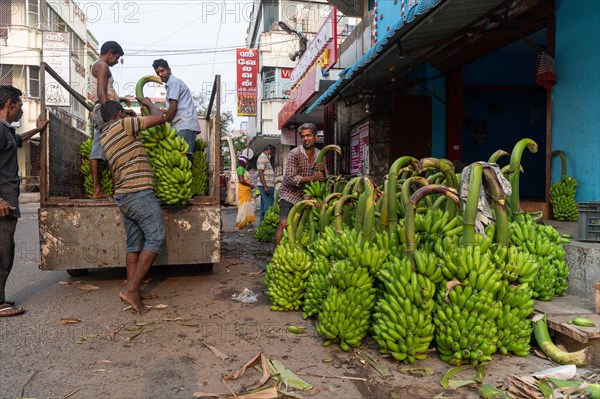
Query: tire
(77,272)
(205,268)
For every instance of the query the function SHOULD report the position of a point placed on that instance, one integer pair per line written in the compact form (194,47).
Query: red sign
(247,71)
(286,73)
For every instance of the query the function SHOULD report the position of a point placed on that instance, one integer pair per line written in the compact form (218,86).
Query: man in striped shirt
(266,179)
(134,191)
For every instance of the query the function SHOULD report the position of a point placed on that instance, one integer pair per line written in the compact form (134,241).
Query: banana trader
(134,192)
(181,111)
(299,170)
(11,110)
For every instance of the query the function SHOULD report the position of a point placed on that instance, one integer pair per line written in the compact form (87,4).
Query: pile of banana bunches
(106,181)
(200,169)
(172,169)
(404,264)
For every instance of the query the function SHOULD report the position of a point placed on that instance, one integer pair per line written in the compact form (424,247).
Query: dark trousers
(266,200)
(8,225)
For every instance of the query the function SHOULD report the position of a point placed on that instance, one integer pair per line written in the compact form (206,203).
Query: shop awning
(439,32)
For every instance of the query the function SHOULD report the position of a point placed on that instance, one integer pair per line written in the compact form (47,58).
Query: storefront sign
(55,52)
(326,38)
(247,71)
(359,150)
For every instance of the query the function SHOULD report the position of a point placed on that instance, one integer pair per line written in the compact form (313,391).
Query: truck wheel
(77,272)
(205,268)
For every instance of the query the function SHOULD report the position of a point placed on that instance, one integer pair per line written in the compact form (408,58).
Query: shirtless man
(102,90)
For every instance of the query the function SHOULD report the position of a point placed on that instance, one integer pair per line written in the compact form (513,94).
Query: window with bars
(33,81)
(5,18)
(32,8)
(6,74)
(269,83)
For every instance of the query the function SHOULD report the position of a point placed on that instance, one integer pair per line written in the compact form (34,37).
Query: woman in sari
(245,212)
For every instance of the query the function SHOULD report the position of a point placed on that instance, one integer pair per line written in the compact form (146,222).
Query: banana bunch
(514,326)
(469,264)
(85,148)
(544,243)
(437,222)
(88,183)
(516,264)
(316,287)
(106,181)
(199,169)
(465,321)
(267,227)
(429,265)
(315,190)
(172,169)
(286,277)
(402,318)
(562,198)
(346,310)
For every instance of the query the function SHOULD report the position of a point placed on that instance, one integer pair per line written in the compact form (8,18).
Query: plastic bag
(246,296)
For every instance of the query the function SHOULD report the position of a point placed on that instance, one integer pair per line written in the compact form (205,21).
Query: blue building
(460,79)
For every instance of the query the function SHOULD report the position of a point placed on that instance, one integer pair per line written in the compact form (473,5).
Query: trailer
(77,234)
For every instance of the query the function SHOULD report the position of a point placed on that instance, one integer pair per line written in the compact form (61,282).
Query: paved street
(115,353)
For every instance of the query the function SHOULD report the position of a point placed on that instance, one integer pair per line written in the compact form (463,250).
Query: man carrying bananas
(181,111)
(299,170)
(134,191)
(266,179)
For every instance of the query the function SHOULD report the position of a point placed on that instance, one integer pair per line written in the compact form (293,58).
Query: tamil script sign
(55,52)
(247,71)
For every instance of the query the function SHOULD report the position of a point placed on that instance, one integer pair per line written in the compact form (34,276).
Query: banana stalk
(447,169)
(323,214)
(411,211)
(540,331)
(470,214)
(406,186)
(369,210)
(515,165)
(497,155)
(295,215)
(139,89)
(498,204)
(339,210)
(392,210)
(563,163)
(325,150)
(359,215)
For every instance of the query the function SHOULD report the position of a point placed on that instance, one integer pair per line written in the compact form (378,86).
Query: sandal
(7,310)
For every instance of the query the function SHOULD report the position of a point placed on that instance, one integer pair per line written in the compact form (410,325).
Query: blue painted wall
(576,96)
(434,87)
(498,119)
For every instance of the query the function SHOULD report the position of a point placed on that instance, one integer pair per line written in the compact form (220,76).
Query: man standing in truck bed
(102,90)
(181,111)
(134,192)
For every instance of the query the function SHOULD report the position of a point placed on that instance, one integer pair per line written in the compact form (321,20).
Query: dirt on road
(195,334)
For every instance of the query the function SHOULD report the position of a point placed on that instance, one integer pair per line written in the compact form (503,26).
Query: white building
(279,52)
(32,31)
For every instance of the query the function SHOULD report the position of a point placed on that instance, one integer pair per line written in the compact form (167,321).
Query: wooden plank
(581,334)
(563,309)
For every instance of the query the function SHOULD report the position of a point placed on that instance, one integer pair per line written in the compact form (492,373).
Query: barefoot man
(134,191)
